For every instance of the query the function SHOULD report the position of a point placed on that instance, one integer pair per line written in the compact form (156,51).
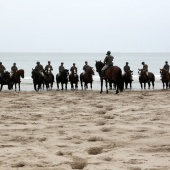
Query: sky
(84,26)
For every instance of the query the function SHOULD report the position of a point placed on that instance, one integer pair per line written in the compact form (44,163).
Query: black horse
(127,77)
(38,79)
(5,80)
(73,78)
(48,78)
(63,79)
(112,74)
(87,77)
(143,79)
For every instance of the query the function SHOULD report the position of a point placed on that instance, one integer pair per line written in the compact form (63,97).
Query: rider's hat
(38,62)
(0,62)
(166,61)
(14,63)
(85,61)
(143,62)
(49,61)
(73,63)
(62,63)
(127,63)
(108,53)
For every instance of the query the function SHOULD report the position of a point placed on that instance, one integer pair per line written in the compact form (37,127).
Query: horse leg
(101,80)
(66,86)
(15,86)
(91,85)
(153,84)
(106,86)
(149,84)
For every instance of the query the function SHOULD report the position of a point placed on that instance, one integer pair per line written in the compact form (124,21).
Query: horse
(87,78)
(63,79)
(165,78)
(143,79)
(48,78)
(112,74)
(5,80)
(74,78)
(127,77)
(38,79)
(16,78)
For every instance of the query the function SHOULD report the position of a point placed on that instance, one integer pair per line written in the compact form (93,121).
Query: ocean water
(27,61)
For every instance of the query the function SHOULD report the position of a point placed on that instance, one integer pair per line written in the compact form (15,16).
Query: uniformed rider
(2,69)
(108,61)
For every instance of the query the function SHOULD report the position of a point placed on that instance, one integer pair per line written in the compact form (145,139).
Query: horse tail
(120,81)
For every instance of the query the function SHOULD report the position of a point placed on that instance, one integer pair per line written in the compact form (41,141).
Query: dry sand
(86,130)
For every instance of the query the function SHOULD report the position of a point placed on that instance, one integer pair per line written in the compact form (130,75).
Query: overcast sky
(84,25)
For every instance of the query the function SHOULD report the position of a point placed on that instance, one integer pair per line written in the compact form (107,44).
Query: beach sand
(86,130)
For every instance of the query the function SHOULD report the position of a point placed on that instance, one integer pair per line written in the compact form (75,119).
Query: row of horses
(113,76)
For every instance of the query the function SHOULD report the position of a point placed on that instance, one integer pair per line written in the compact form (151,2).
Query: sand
(86,130)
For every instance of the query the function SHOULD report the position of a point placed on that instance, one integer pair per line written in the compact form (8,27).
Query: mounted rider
(2,69)
(145,68)
(126,69)
(85,67)
(14,69)
(49,67)
(61,69)
(108,61)
(73,69)
(39,68)
(166,66)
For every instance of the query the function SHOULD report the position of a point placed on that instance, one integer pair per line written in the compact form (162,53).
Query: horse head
(99,65)
(21,73)
(90,71)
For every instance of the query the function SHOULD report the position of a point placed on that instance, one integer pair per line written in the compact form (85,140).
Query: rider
(49,66)
(108,61)
(145,68)
(85,67)
(2,69)
(73,68)
(61,69)
(39,68)
(126,68)
(14,69)
(166,66)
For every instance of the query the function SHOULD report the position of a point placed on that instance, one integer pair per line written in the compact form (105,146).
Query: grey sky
(84,25)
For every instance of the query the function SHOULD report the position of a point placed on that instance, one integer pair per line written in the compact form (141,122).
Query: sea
(27,61)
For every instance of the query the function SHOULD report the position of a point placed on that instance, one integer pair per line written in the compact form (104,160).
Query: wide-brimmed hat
(108,53)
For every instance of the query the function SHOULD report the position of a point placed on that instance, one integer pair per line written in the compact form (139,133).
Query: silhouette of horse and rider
(87,78)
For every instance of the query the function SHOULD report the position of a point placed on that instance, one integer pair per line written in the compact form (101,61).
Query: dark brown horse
(127,77)
(16,78)
(38,79)
(143,79)
(112,74)
(73,78)
(165,78)
(63,79)
(87,77)
(48,78)
(5,80)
